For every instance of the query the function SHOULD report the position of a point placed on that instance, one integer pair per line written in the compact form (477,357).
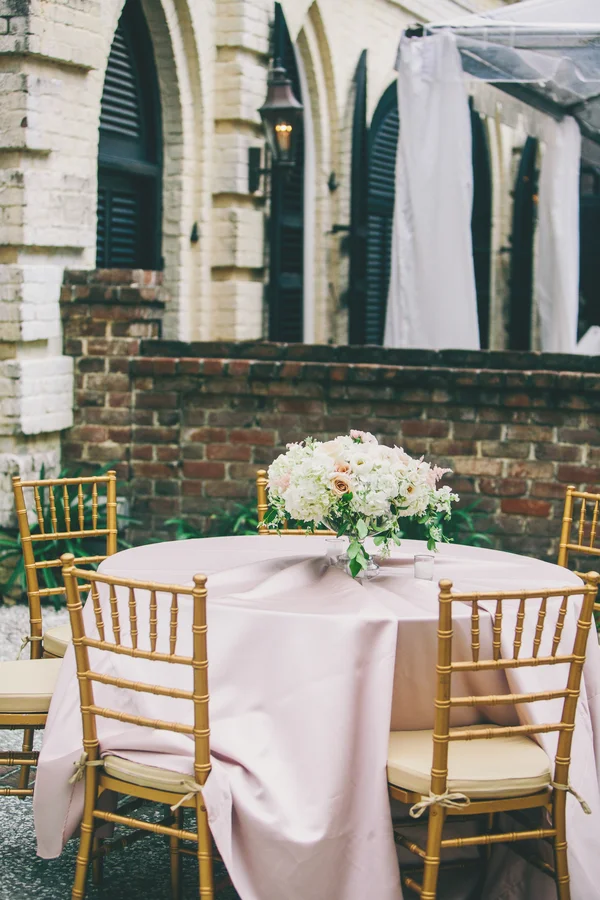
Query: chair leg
(175,856)
(563,884)
(98,863)
(25,772)
(87,833)
(205,860)
(437,817)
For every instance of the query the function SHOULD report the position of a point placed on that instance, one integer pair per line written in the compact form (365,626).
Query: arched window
(523,230)
(381,189)
(129,155)
(286,243)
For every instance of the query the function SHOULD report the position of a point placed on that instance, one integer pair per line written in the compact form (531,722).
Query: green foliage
(461,528)
(11,557)
(242,519)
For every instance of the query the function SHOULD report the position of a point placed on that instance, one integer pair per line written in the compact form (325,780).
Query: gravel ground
(141,871)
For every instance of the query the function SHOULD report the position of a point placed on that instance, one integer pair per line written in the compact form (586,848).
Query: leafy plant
(461,528)
(11,556)
(243,519)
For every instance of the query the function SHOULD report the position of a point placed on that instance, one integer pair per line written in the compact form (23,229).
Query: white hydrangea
(354,478)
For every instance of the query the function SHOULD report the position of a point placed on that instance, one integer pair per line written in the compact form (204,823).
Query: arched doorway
(589,265)
(523,231)
(130,151)
(381,189)
(481,225)
(286,238)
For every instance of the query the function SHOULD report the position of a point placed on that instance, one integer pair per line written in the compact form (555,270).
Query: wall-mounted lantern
(281,114)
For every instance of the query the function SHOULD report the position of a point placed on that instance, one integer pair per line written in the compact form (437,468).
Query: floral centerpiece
(358,488)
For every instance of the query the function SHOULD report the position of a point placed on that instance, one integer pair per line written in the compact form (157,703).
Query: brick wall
(190,423)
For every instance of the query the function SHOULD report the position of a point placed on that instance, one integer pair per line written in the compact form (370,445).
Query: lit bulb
(283,133)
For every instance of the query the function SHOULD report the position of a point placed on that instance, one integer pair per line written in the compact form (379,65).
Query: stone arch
(184,195)
(317,68)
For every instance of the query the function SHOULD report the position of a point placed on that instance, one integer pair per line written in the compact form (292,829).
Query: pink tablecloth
(307,669)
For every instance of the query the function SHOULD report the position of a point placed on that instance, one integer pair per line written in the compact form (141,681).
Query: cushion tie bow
(449,799)
(194,789)
(26,639)
(571,790)
(80,767)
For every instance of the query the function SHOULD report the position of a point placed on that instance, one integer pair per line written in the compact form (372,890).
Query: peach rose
(340,484)
(342,467)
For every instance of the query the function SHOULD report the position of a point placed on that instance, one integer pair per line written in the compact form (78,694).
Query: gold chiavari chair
(263,505)
(444,770)
(122,776)
(586,521)
(26,687)
(61,516)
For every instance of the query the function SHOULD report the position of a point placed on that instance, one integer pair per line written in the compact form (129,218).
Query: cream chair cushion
(512,766)
(27,685)
(56,640)
(148,776)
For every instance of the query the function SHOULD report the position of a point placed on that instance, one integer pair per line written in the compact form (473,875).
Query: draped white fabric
(432,301)
(557,260)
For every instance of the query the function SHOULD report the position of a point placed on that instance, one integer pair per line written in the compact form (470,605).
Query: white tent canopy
(534,51)
(549,50)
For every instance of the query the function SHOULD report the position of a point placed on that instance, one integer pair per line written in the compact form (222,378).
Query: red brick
(227,489)
(476,431)
(156,400)
(252,436)
(156,435)
(203,469)
(91,433)
(467,465)
(579,435)
(238,367)
(213,367)
(505,449)
(153,470)
(503,487)
(141,451)
(238,452)
(578,474)
(530,469)
(549,490)
(525,507)
(167,454)
(426,428)
(310,407)
(529,433)
(120,435)
(559,452)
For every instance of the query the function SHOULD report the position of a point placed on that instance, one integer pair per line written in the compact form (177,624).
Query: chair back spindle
(139,599)
(59,514)
(540,643)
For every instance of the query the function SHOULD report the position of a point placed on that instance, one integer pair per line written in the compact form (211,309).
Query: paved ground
(141,871)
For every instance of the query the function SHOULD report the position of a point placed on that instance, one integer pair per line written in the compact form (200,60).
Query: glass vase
(343,562)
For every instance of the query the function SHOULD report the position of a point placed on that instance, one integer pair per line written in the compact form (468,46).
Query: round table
(308,669)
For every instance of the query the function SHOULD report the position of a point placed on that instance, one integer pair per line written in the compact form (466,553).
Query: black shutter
(129,157)
(481,225)
(286,241)
(357,294)
(523,230)
(383,145)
